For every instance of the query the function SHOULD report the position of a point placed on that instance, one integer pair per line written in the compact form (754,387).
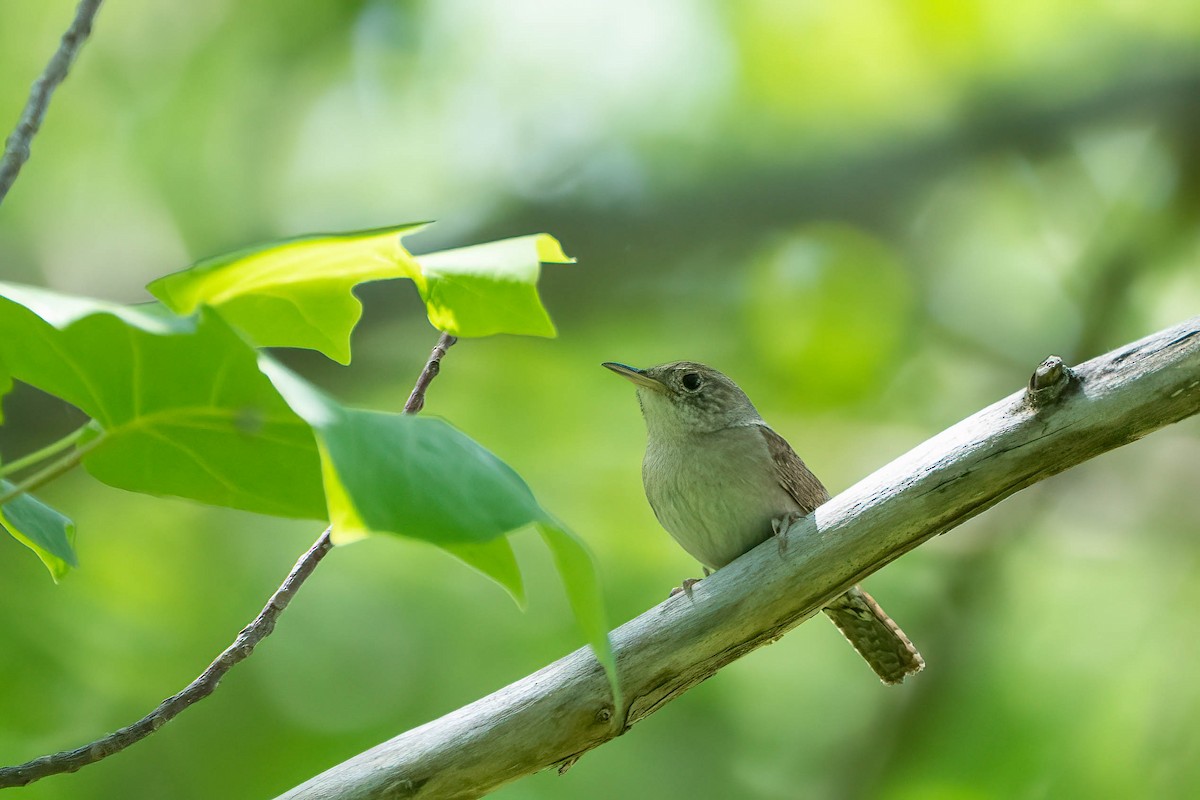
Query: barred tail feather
(875,636)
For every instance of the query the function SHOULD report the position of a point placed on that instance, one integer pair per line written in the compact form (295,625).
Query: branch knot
(1048,381)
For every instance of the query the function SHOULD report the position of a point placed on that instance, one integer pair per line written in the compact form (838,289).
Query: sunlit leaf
(489,288)
(40,528)
(179,405)
(297,293)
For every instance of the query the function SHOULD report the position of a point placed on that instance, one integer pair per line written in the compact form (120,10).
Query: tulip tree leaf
(489,288)
(411,475)
(178,403)
(297,292)
(40,528)
(420,477)
(450,490)
(495,560)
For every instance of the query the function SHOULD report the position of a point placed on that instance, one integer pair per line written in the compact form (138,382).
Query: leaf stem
(38,456)
(54,468)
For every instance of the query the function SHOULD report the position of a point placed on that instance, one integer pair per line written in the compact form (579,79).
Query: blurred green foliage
(878,218)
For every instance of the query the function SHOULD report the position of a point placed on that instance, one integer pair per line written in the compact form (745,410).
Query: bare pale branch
(552,717)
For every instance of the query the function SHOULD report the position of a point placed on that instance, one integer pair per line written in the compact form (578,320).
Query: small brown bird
(721,482)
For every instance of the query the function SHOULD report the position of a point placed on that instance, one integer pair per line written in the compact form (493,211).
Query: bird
(721,481)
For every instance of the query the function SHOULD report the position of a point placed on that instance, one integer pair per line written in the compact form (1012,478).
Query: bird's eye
(690,381)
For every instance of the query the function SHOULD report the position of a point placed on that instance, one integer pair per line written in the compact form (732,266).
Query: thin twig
(416,400)
(242,647)
(16,147)
(203,686)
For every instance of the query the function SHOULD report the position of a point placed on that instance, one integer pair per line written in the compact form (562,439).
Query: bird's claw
(780,525)
(686,588)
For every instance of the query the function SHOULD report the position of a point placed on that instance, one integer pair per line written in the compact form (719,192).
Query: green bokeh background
(878,217)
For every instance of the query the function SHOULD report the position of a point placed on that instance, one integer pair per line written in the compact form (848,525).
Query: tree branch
(416,400)
(563,710)
(201,687)
(16,147)
(242,647)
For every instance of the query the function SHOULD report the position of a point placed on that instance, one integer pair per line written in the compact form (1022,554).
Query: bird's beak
(635,375)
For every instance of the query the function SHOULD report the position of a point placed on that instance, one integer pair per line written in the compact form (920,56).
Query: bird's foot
(780,525)
(686,588)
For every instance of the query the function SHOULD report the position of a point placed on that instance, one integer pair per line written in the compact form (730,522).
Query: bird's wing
(795,478)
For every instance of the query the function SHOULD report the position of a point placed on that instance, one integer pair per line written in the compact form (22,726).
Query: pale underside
(719,511)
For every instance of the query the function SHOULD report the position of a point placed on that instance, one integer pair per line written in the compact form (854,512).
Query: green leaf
(179,404)
(383,474)
(489,288)
(412,475)
(582,583)
(297,293)
(420,477)
(40,528)
(495,560)
(452,490)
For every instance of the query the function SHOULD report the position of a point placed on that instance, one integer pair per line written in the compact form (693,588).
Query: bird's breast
(715,493)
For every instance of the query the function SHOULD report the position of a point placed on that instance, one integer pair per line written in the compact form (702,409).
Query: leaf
(452,490)
(412,475)
(387,473)
(582,583)
(489,288)
(179,403)
(297,293)
(40,528)
(419,477)
(495,560)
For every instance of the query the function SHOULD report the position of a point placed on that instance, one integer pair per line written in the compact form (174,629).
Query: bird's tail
(873,634)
